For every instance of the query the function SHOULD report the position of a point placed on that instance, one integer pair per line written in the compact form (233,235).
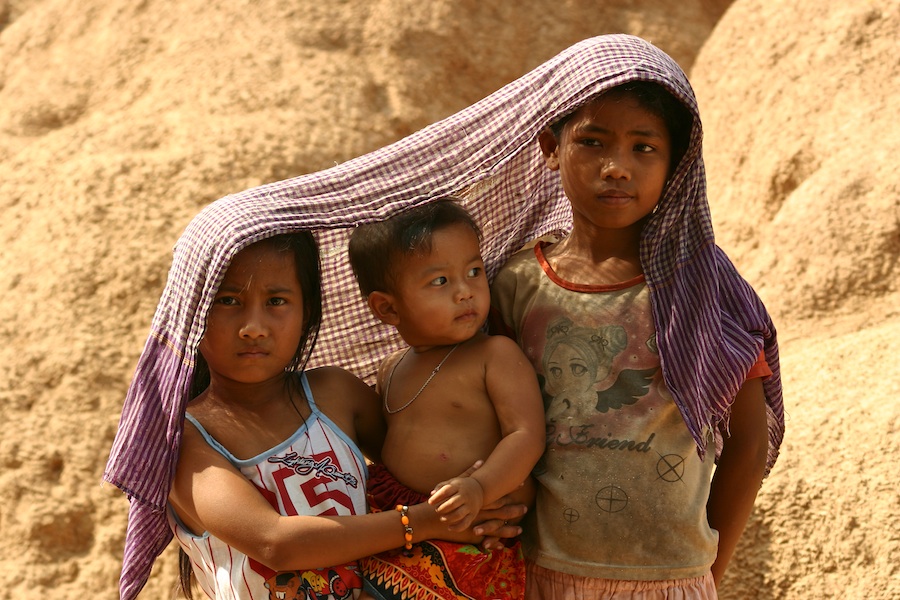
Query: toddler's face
(442,297)
(613,157)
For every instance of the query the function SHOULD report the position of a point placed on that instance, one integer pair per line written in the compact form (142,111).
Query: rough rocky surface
(120,119)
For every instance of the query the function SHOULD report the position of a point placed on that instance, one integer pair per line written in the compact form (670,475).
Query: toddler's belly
(422,461)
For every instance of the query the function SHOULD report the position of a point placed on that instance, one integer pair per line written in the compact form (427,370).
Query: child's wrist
(424,522)
(406,524)
(481,491)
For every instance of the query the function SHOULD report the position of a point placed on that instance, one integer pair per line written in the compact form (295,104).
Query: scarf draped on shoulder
(711,325)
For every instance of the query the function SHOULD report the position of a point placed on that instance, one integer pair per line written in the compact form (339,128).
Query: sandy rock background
(120,119)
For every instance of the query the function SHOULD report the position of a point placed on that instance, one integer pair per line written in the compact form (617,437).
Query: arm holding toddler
(208,492)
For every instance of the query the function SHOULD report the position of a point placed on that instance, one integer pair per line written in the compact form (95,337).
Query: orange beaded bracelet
(407,529)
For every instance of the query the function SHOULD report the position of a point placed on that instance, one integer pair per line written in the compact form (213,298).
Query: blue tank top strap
(210,439)
(307,391)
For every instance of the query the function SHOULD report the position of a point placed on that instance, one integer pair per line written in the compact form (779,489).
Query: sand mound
(120,120)
(801,152)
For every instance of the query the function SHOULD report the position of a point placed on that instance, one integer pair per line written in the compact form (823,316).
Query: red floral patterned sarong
(438,569)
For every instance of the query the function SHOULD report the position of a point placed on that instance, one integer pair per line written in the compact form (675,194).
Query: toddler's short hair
(375,248)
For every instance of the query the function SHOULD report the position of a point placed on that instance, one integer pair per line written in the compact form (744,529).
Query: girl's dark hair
(302,245)
(374,248)
(656,99)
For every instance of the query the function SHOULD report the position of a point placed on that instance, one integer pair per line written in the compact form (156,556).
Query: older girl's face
(613,157)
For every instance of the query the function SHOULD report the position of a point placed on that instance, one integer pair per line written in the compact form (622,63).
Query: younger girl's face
(256,321)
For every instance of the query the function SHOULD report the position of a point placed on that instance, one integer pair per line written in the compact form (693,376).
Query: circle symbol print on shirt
(611,499)
(670,467)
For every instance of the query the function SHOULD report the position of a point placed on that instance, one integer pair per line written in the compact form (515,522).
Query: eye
(644,148)
(578,370)
(438,281)
(277,301)
(227,301)
(474,272)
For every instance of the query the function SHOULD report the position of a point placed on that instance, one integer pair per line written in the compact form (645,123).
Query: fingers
(501,522)
(459,522)
(495,529)
(508,512)
(472,469)
(491,543)
(443,492)
(456,514)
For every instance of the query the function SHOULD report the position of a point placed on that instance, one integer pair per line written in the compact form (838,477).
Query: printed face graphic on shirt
(575,360)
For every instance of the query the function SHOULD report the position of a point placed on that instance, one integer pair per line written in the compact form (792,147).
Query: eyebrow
(592,128)
(279,290)
(236,289)
(474,258)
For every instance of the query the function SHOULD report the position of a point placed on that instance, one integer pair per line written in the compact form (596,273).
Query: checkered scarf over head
(711,324)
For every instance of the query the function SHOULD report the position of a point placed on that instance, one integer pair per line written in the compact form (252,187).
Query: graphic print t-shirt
(622,491)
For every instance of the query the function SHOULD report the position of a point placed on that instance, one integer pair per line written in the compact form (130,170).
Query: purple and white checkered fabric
(711,325)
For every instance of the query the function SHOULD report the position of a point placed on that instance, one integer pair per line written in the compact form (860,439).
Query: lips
(469,314)
(614,197)
(253,352)
(614,194)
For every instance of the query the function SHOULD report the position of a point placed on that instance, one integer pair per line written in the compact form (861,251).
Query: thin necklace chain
(387,388)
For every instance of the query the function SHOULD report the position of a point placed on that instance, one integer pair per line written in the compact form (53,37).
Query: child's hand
(457,501)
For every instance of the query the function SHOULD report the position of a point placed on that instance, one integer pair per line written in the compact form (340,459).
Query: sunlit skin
(252,332)
(485,402)
(614,158)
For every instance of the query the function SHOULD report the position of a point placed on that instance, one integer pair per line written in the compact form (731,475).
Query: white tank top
(316,471)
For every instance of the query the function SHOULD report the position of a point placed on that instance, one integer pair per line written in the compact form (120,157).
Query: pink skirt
(544,584)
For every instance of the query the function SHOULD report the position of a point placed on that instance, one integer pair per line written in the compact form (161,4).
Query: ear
(382,306)
(550,149)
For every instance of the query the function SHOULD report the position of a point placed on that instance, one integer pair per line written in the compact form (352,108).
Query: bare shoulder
(191,438)
(351,404)
(502,343)
(330,383)
(500,349)
(339,393)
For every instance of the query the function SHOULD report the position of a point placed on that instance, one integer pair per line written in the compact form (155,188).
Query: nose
(254,326)
(463,291)
(615,166)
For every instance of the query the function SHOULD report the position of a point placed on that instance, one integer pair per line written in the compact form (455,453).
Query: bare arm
(341,395)
(739,473)
(208,493)
(512,387)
